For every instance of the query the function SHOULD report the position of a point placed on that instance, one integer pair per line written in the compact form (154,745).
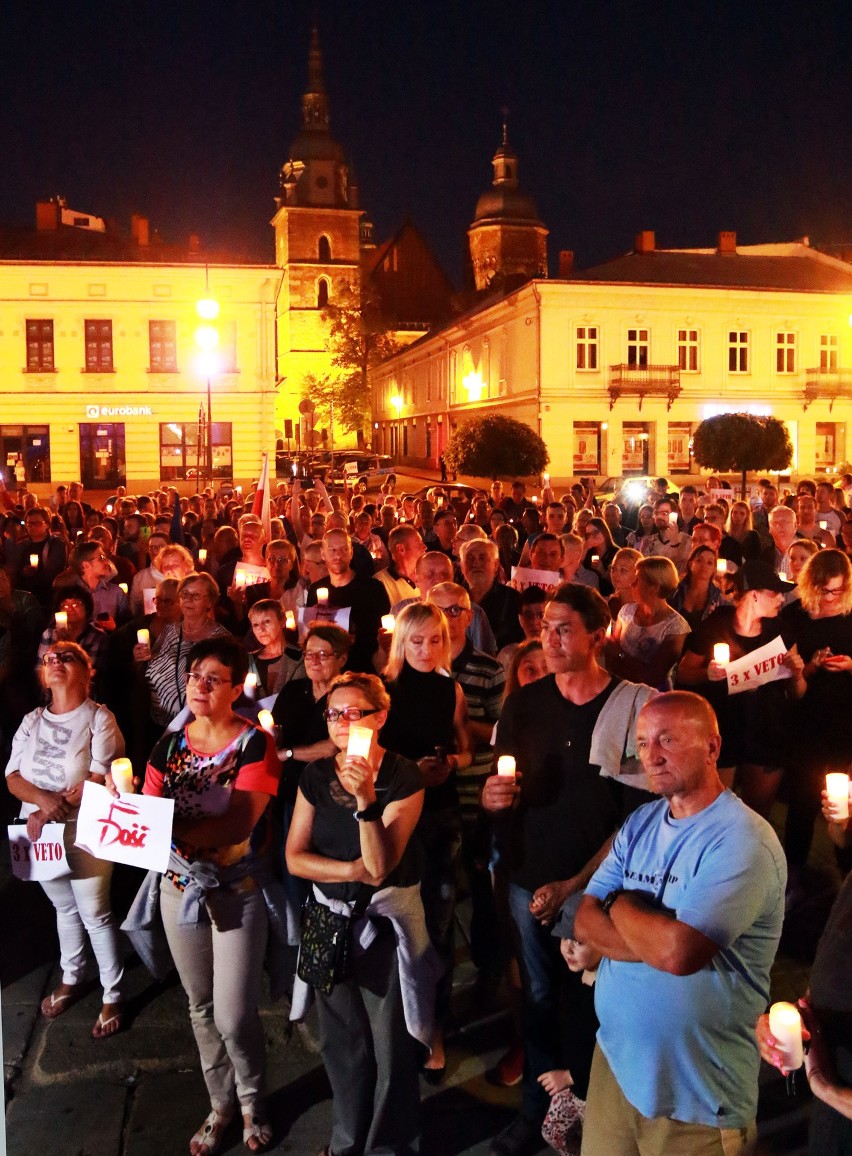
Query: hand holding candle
(202,556)
(322,596)
(722,653)
(250,684)
(267,722)
(506,766)
(122,776)
(388,621)
(360,742)
(289,620)
(34,561)
(837,789)
(61,620)
(785,1024)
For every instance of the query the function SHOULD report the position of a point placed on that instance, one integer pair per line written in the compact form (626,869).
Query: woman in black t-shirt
(369,1055)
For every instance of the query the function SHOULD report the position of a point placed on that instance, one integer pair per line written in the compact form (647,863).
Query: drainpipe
(537,296)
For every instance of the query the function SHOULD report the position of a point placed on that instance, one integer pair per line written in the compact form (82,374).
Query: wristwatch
(610,899)
(370,813)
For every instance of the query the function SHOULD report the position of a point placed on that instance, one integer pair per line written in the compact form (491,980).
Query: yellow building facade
(615,368)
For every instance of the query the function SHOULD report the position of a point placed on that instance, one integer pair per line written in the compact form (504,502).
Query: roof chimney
(727,243)
(47,215)
(139,230)
(566,264)
(645,242)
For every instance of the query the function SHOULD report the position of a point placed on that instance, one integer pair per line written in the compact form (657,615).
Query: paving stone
(85,1118)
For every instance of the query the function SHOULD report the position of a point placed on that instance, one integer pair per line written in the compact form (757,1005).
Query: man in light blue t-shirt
(687,910)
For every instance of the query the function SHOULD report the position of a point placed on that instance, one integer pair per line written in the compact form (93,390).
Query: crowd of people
(528,700)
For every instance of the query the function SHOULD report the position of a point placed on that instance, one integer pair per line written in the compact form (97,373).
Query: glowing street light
(397,403)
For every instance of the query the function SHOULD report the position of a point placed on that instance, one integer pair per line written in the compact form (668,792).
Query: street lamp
(207,340)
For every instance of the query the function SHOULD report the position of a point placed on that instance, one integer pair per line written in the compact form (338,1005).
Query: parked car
(630,493)
(363,472)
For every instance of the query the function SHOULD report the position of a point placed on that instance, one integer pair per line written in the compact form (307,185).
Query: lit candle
(388,621)
(782,574)
(609,630)
(721,653)
(837,787)
(506,766)
(250,684)
(290,620)
(595,558)
(721,566)
(122,776)
(109,508)
(202,556)
(123,586)
(360,741)
(267,722)
(535,499)
(239,489)
(546,479)
(240,578)
(823,525)
(143,636)
(785,1023)
(61,620)
(34,560)
(322,596)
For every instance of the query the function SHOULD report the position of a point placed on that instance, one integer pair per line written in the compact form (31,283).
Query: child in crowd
(563,1125)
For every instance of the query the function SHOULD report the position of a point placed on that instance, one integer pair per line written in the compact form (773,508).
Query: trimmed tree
(739,442)
(495,446)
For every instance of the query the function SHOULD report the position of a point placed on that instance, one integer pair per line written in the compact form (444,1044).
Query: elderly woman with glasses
(56,749)
(374,1015)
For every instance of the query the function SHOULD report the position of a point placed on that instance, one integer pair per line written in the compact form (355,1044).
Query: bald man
(687,911)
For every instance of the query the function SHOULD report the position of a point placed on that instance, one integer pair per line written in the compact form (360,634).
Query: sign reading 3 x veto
(100,411)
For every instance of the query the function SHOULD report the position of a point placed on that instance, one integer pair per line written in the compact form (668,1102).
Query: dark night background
(685,117)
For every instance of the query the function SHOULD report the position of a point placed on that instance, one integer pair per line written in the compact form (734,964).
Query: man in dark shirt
(554,823)
(514,506)
(480,561)
(48,551)
(367,600)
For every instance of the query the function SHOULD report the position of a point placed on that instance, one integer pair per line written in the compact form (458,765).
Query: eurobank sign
(101,411)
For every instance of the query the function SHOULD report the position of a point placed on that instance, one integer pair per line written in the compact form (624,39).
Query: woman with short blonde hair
(419,616)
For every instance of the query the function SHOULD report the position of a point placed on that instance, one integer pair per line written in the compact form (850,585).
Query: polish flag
(261,504)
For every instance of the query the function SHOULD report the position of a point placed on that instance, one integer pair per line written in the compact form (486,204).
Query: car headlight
(634,492)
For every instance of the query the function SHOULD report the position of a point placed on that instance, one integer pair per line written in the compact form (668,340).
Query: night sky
(685,117)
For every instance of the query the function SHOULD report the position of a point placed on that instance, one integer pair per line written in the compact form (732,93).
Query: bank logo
(100,411)
(93,411)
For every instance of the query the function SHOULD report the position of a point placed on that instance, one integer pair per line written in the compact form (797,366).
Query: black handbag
(325,950)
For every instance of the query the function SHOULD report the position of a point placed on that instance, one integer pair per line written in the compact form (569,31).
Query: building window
(635,447)
(40,347)
(830,443)
(162,346)
(738,361)
(324,253)
(102,457)
(26,451)
(827,353)
(687,350)
(637,348)
(587,447)
(785,352)
(680,447)
(322,293)
(587,346)
(183,450)
(99,347)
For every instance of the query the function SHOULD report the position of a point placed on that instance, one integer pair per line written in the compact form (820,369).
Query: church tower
(508,241)
(317,241)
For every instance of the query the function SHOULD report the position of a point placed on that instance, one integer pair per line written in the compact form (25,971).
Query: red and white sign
(761,666)
(134,829)
(525,576)
(44,859)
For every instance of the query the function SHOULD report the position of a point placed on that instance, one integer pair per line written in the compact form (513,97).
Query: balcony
(830,384)
(644,381)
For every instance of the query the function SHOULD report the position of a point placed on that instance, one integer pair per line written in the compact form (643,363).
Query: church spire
(505,160)
(315,101)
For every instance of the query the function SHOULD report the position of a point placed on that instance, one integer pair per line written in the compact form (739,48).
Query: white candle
(267,722)
(239,489)
(240,578)
(823,525)
(837,786)
(290,620)
(546,479)
(782,574)
(535,499)
(61,619)
(595,558)
(785,1023)
(202,556)
(109,508)
(506,766)
(250,684)
(34,560)
(721,566)
(721,653)
(322,596)
(360,741)
(143,636)
(122,776)
(388,621)
(123,586)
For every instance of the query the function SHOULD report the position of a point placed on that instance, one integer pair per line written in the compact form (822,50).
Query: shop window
(26,453)
(184,450)
(587,447)
(680,447)
(102,458)
(830,443)
(99,347)
(634,454)
(162,346)
(40,346)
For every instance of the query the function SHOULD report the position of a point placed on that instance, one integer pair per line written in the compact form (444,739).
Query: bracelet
(370,813)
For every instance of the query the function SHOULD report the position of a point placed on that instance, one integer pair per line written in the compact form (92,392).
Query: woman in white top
(648,636)
(55,750)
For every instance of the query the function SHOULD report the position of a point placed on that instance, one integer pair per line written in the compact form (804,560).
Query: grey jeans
(220,965)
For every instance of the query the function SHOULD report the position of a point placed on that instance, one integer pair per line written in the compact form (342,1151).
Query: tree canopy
(741,442)
(495,446)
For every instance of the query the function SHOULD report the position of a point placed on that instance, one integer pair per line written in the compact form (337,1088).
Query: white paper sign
(524,577)
(253,574)
(309,614)
(44,859)
(761,666)
(134,829)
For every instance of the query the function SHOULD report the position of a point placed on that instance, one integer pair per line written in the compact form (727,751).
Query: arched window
(322,293)
(324,250)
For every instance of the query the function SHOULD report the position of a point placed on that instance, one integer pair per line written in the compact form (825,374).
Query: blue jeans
(544,979)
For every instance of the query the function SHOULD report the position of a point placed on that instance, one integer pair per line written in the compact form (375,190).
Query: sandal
(58,1002)
(257,1131)
(109,1025)
(208,1139)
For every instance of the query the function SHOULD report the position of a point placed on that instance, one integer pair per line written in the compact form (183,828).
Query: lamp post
(207,340)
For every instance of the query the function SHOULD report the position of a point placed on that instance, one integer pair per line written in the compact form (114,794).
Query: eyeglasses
(208,681)
(454,611)
(831,591)
(349,713)
(318,655)
(59,658)
(187,596)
